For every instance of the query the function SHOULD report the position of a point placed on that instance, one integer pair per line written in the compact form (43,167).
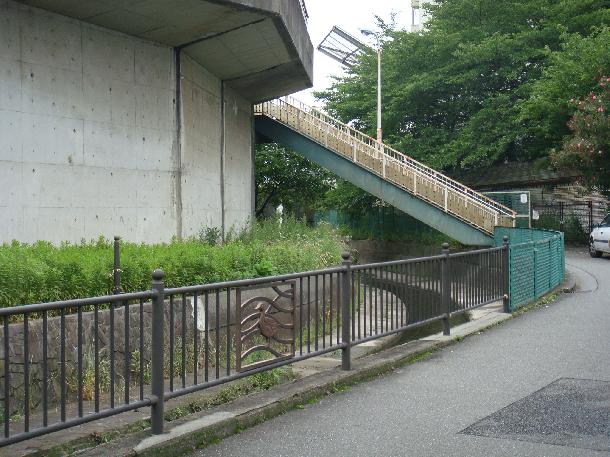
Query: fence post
(446,289)
(505,275)
(590,205)
(157,387)
(116,272)
(346,293)
(535,272)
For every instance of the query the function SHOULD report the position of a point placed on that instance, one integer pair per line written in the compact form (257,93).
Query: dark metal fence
(574,219)
(70,362)
(44,372)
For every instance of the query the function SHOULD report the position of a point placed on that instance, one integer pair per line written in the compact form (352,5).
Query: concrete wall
(201,135)
(238,166)
(217,166)
(89,140)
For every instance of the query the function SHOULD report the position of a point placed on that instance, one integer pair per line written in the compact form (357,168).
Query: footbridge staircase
(392,176)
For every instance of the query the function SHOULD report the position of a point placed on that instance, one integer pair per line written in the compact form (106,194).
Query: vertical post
(346,293)
(505,275)
(590,204)
(535,272)
(379,130)
(561,223)
(445,289)
(116,272)
(157,387)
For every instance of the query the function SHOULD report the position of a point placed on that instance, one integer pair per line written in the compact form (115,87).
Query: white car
(599,241)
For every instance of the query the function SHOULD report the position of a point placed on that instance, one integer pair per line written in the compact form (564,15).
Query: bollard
(446,289)
(346,361)
(505,275)
(157,387)
(116,272)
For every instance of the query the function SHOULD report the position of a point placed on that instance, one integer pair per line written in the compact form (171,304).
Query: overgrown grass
(43,272)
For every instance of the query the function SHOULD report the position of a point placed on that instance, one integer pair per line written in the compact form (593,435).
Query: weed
(43,272)
(210,235)
(338,387)
(537,304)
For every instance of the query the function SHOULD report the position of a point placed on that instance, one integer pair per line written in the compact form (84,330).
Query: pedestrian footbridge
(405,183)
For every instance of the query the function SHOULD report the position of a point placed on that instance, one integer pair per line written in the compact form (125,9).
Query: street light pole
(379,130)
(376,35)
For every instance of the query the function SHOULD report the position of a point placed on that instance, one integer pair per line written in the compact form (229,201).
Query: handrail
(424,168)
(304,10)
(379,150)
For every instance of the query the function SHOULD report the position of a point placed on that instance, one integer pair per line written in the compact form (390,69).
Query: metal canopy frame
(342,47)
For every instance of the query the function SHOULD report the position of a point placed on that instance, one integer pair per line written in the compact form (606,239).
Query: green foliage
(210,235)
(572,227)
(588,148)
(381,222)
(486,82)
(572,72)
(284,177)
(42,272)
(348,198)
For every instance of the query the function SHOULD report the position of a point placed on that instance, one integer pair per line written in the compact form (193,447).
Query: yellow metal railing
(401,170)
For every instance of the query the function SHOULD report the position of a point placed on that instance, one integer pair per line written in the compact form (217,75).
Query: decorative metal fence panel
(536,262)
(66,363)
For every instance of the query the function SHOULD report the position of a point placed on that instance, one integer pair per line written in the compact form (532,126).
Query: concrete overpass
(135,118)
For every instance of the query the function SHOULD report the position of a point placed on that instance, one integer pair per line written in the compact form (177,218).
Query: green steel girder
(370,182)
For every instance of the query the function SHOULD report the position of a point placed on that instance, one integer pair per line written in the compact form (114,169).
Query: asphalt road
(544,378)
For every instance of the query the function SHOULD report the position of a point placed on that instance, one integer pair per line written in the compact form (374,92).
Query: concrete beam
(261,47)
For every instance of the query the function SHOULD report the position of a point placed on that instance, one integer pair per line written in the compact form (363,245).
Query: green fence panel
(536,262)
(518,201)
(383,222)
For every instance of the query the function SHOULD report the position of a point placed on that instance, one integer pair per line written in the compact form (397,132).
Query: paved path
(525,371)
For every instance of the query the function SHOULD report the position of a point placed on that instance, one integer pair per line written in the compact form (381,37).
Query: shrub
(588,148)
(41,272)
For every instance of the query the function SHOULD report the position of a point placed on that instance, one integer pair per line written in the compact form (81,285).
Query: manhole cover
(567,412)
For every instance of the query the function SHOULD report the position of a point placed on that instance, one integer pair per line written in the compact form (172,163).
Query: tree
(571,72)
(588,148)
(455,94)
(286,178)
(345,196)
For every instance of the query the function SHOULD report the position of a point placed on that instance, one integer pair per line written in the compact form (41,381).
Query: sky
(351,16)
